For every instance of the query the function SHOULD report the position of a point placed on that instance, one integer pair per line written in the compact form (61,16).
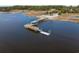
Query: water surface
(15,38)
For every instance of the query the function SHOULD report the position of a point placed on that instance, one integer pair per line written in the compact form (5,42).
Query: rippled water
(15,38)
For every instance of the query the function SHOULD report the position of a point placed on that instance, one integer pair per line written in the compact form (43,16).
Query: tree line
(60,8)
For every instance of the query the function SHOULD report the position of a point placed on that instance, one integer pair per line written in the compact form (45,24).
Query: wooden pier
(33,26)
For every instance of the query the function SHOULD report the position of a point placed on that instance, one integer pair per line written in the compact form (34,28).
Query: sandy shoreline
(69,17)
(64,17)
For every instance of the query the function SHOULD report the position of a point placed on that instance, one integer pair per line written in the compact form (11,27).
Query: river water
(14,37)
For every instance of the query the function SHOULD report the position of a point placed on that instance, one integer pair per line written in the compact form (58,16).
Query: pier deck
(33,26)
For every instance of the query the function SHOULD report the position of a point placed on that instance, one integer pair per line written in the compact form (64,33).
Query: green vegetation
(60,8)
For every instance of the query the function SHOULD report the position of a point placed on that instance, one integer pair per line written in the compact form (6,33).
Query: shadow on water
(15,38)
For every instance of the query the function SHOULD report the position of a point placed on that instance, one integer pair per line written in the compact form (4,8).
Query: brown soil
(68,17)
(35,13)
(63,17)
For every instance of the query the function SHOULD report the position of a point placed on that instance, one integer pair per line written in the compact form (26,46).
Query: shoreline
(64,17)
(69,17)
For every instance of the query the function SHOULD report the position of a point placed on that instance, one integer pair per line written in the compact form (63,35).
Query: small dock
(34,27)
(31,27)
